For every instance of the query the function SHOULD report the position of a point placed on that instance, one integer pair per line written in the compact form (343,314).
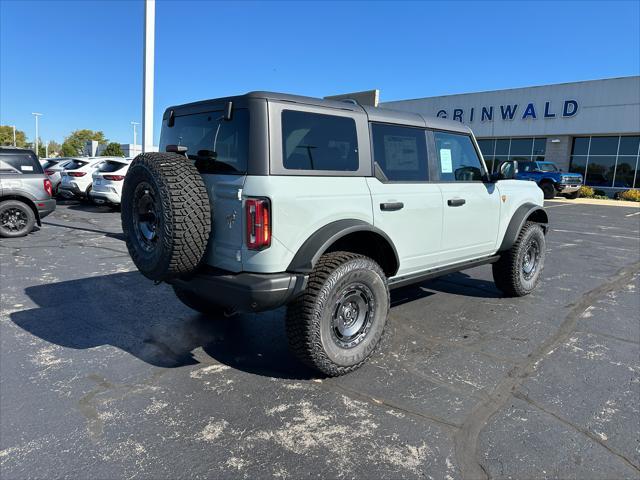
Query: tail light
(49,172)
(76,174)
(258,212)
(115,178)
(47,187)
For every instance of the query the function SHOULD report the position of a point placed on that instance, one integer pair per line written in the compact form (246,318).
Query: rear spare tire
(166,215)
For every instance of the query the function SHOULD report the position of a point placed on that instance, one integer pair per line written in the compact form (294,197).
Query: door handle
(391,207)
(456,202)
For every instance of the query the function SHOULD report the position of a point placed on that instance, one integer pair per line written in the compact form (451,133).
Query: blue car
(549,178)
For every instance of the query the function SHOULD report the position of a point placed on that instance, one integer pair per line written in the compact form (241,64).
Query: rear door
(471,207)
(219,149)
(406,206)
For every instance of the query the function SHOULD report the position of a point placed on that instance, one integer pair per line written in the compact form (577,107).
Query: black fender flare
(522,213)
(313,247)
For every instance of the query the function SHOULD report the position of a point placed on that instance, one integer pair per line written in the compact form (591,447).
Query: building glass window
(607,161)
(527,149)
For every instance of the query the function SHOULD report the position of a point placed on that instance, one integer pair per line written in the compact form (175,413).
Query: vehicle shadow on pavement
(128,312)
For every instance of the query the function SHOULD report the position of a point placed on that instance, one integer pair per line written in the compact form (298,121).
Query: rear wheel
(518,271)
(548,190)
(166,216)
(337,323)
(16,219)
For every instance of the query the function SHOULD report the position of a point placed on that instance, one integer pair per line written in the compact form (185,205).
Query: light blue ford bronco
(266,200)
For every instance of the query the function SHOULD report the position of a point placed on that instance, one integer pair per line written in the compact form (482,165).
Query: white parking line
(598,234)
(561,205)
(632,214)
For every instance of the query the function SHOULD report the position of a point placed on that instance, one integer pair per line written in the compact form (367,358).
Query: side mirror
(180,149)
(508,170)
(228,111)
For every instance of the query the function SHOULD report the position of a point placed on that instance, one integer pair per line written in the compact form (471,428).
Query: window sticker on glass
(26,168)
(445,160)
(401,153)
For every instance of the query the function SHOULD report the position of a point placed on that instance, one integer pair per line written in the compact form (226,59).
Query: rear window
(49,164)
(111,166)
(19,162)
(215,145)
(75,164)
(313,141)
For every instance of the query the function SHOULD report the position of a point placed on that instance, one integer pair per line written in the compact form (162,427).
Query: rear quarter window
(314,141)
(20,163)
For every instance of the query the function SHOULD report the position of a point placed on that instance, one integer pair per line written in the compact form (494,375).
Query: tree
(54,148)
(73,145)
(6,136)
(113,150)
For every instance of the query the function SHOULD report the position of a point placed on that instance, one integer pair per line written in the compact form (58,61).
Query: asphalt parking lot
(106,375)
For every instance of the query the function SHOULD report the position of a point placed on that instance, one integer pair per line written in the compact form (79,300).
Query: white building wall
(607,106)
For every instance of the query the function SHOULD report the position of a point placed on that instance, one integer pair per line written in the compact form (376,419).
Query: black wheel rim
(352,315)
(13,219)
(145,216)
(531,259)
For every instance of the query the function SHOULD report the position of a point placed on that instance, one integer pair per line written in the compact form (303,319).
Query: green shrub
(586,192)
(632,195)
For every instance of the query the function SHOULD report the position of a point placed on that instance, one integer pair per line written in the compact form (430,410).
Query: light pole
(134,133)
(14,135)
(147,73)
(36,114)
(46,150)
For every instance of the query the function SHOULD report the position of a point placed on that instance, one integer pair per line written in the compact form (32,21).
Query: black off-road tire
(309,317)
(548,190)
(509,272)
(573,195)
(25,215)
(198,303)
(170,240)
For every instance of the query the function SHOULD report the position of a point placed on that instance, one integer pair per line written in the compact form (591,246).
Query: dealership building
(591,127)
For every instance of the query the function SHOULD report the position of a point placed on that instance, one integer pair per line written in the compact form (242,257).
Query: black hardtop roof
(10,149)
(376,114)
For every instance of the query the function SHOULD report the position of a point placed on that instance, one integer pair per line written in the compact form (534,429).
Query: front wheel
(16,219)
(518,270)
(573,195)
(337,323)
(548,190)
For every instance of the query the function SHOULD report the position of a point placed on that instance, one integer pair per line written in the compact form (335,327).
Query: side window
(400,152)
(457,158)
(313,141)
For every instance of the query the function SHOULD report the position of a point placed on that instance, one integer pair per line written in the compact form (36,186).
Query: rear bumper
(70,190)
(45,207)
(245,292)
(109,197)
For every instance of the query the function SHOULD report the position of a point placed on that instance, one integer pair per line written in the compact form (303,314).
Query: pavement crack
(584,431)
(378,402)
(466,438)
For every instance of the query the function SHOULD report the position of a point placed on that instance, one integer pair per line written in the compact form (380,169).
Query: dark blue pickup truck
(551,180)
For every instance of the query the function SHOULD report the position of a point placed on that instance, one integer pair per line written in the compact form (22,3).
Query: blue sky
(80,62)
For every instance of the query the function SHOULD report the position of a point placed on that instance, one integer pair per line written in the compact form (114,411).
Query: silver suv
(265,199)
(25,192)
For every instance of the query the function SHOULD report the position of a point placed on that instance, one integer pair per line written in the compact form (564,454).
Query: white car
(76,176)
(53,168)
(108,180)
